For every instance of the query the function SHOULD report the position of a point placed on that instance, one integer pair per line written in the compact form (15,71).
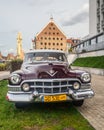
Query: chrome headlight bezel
(76,85)
(86,77)
(15,78)
(25,87)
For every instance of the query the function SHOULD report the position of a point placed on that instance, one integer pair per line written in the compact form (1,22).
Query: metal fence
(92,44)
(93,47)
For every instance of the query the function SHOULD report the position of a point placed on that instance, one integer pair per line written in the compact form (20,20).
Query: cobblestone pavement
(4,74)
(93,109)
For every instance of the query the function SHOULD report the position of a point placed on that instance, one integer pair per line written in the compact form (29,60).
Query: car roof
(45,50)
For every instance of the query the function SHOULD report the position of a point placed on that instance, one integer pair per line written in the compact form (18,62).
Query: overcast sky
(30,16)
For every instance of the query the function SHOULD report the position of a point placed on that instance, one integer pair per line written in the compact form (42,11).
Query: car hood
(47,70)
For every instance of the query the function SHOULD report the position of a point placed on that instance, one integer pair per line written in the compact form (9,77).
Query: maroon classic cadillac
(45,76)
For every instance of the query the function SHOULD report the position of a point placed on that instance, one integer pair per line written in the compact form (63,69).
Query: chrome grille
(56,83)
(53,83)
(14,89)
(53,86)
(50,86)
(52,90)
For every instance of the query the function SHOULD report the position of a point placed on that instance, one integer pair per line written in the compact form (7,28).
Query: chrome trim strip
(12,86)
(10,92)
(30,92)
(51,86)
(51,80)
(86,84)
(19,92)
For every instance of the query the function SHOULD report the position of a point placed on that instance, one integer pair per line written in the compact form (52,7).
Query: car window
(45,56)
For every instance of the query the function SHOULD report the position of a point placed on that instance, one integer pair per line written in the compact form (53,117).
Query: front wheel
(78,103)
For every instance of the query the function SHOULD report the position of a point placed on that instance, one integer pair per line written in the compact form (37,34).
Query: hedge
(15,65)
(3,66)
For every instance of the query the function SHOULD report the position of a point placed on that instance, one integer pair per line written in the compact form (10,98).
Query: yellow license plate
(53,98)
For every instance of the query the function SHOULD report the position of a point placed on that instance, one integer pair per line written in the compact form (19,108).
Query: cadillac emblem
(51,72)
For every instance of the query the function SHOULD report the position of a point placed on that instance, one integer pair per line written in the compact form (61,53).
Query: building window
(85,43)
(80,45)
(49,43)
(41,37)
(57,38)
(61,38)
(100,38)
(96,40)
(49,33)
(57,33)
(45,38)
(53,38)
(51,24)
(41,43)
(57,44)
(99,19)
(45,43)
(98,2)
(103,15)
(61,49)
(53,44)
(89,42)
(98,30)
(50,28)
(93,41)
(49,38)
(61,44)
(45,33)
(53,33)
(53,28)
(78,41)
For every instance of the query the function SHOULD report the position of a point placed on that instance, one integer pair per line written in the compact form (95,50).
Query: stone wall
(72,57)
(91,70)
(91,54)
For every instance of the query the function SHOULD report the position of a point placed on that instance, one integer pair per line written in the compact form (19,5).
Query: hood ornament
(52,72)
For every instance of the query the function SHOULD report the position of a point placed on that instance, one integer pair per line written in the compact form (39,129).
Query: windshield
(45,56)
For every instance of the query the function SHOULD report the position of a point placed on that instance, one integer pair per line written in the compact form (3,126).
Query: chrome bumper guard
(80,95)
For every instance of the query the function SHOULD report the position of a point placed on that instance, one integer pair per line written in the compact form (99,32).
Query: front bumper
(35,97)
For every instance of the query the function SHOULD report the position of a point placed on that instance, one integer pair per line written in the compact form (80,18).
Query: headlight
(25,87)
(15,78)
(86,77)
(76,85)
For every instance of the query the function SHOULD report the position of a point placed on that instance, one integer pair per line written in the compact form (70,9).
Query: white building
(96,17)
